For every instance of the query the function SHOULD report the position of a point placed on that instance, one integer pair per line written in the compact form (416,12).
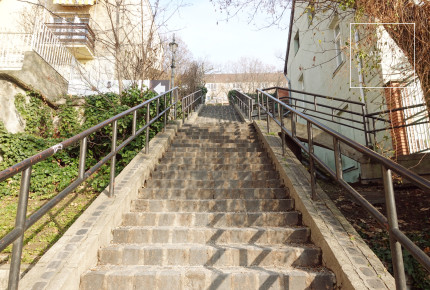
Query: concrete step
(215,142)
(210,255)
(226,155)
(200,150)
(221,184)
(220,219)
(214,167)
(216,138)
(216,129)
(220,145)
(216,160)
(200,277)
(212,193)
(205,235)
(216,135)
(212,205)
(215,175)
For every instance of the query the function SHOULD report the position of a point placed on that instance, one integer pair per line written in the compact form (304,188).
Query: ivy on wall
(53,174)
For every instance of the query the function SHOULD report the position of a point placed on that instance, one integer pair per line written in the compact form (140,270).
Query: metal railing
(397,237)
(16,235)
(12,48)
(74,33)
(189,103)
(244,102)
(327,108)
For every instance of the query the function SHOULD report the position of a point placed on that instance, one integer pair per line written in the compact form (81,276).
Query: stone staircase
(214,216)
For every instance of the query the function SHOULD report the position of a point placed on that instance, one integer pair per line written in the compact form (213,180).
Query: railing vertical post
(311,159)
(113,161)
(250,109)
(281,110)
(165,113)
(147,129)
(267,114)
(175,92)
(258,106)
(21,213)
(133,128)
(158,107)
(366,137)
(82,157)
(337,158)
(293,125)
(395,247)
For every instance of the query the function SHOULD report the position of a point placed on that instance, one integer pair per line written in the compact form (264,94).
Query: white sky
(196,24)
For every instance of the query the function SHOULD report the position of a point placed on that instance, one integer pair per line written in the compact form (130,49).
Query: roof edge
(290,30)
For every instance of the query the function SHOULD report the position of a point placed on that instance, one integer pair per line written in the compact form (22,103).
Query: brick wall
(398,135)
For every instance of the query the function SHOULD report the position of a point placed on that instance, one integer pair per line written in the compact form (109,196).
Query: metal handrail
(245,103)
(362,125)
(16,235)
(397,237)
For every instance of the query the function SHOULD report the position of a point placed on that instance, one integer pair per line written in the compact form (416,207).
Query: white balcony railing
(12,48)
(14,45)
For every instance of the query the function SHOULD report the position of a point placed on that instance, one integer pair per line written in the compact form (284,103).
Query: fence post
(281,110)
(258,105)
(147,129)
(113,161)
(311,159)
(267,114)
(337,158)
(82,157)
(133,129)
(395,246)
(165,112)
(366,137)
(21,213)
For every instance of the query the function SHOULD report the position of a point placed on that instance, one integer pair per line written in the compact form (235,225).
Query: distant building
(219,85)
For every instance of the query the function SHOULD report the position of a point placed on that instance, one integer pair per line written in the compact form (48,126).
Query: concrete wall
(35,74)
(8,112)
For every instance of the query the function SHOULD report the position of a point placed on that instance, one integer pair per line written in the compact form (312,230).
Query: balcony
(77,37)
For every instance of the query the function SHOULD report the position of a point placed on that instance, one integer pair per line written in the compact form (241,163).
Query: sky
(219,42)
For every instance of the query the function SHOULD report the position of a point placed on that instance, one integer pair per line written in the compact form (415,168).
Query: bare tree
(413,41)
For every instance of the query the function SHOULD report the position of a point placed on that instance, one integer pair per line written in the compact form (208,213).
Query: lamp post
(173,47)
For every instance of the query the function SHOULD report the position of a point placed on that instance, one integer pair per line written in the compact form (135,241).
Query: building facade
(219,85)
(359,64)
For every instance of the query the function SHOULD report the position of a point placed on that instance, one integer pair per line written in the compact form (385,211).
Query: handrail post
(175,92)
(113,161)
(267,114)
(82,157)
(311,160)
(281,110)
(147,129)
(395,246)
(21,213)
(133,129)
(249,109)
(293,124)
(258,105)
(337,158)
(366,138)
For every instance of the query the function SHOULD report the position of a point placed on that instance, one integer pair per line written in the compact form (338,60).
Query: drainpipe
(362,94)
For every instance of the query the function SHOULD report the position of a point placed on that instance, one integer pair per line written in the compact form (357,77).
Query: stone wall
(36,75)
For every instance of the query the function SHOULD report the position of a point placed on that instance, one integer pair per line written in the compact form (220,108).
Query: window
(338,45)
(296,42)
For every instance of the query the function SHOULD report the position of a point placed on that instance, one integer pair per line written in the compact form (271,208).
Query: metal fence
(16,235)
(266,103)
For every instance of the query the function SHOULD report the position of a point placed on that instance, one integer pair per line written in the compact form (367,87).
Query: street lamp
(173,47)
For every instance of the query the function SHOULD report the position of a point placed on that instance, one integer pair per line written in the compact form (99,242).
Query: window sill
(338,68)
